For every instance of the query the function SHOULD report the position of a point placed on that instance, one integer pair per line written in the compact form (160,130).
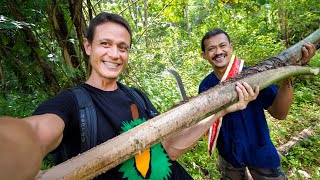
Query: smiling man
(244,139)
(109,53)
(55,125)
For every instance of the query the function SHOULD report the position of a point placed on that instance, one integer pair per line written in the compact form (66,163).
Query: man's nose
(114,52)
(218,51)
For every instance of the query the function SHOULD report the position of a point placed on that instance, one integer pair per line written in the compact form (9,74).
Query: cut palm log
(124,146)
(285,148)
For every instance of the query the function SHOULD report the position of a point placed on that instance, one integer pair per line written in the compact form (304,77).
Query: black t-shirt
(113,109)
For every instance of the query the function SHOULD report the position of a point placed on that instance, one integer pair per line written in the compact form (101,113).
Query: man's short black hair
(212,33)
(107,17)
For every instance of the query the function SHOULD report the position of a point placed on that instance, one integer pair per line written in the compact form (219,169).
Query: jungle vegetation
(41,53)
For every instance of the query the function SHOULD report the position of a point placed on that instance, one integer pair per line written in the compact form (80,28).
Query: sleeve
(202,88)
(208,82)
(63,105)
(267,96)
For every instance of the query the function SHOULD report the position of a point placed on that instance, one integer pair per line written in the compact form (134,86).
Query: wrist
(289,82)
(227,110)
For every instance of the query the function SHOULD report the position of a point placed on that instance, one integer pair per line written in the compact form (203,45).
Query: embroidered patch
(152,163)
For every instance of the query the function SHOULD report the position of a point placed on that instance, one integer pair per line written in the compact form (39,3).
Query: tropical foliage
(41,53)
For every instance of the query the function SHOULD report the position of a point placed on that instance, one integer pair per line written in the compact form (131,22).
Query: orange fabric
(134,111)
(142,160)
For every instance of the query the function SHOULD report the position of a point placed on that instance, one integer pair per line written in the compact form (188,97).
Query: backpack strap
(88,118)
(87,125)
(141,100)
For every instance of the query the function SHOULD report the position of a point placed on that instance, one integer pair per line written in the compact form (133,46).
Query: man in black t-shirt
(113,110)
(56,120)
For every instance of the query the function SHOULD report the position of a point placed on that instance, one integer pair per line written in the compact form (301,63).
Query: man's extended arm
(25,142)
(181,142)
(282,102)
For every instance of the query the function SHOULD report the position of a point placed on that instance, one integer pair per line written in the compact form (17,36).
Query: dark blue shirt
(244,138)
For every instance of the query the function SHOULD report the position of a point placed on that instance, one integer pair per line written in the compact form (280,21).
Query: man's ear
(231,46)
(87,46)
(203,55)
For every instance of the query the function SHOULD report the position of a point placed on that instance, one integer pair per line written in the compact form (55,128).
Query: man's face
(109,50)
(218,51)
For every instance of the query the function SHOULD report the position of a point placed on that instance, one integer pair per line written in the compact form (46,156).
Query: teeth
(220,57)
(111,65)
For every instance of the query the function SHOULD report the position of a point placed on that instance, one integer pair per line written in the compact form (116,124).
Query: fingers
(248,93)
(253,94)
(256,91)
(245,94)
(308,51)
(241,104)
(311,48)
(242,92)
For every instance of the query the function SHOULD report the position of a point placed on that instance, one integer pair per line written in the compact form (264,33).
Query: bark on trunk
(121,148)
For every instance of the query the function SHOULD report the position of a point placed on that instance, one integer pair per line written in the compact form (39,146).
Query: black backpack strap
(141,100)
(88,118)
(148,108)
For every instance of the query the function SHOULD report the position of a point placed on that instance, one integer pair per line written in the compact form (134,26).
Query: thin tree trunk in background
(115,151)
(48,75)
(283,23)
(247,6)
(186,11)
(145,22)
(134,18)
(78,20)
(3,82)
(90,11)
(60,28)
(286,34)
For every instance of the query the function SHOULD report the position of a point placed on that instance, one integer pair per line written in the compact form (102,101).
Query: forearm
(181,142)
(281,104)
(48,129)
(20,152)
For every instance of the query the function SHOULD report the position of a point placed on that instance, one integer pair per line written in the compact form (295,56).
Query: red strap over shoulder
(234,67)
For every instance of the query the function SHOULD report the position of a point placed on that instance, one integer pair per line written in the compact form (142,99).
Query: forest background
(41,53)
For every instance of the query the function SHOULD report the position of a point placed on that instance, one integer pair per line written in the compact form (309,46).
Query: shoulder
(208,82)
(141,99)
(64,97)
(132,91)
(63,104)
